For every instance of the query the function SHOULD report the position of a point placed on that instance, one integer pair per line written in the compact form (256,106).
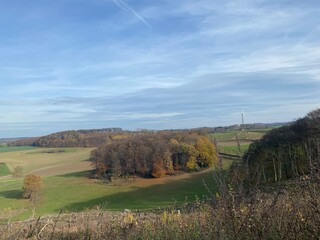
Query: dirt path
(145,182)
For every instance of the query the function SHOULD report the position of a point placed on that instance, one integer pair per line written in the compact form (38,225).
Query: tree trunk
(264,174)
(308,150)
(280,172)
(275,170)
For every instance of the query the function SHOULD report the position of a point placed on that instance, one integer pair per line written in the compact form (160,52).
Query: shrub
(17,172)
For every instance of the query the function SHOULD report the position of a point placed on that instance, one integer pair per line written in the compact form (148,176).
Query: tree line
(79,138)
(286,152)
(154,154)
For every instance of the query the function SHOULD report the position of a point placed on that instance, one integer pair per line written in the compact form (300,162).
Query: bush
(17,172)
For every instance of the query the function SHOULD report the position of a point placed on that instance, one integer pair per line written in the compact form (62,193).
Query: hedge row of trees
(91,137)
(286,152)
(154,154)
(80,138)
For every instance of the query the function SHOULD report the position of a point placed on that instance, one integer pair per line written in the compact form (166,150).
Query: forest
(154,154)
(286,152)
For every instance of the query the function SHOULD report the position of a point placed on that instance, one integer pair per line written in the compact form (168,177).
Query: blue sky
(77,64)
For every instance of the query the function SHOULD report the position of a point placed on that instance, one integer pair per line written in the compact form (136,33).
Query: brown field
(233,142)
(48,161)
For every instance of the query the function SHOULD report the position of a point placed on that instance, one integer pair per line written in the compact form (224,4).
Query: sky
(81,64)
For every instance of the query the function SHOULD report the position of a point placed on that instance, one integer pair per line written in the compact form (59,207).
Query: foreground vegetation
(289,211)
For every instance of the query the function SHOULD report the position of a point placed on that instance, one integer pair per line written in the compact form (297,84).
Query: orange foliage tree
(31,186)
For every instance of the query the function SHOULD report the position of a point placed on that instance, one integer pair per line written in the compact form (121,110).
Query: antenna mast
(242,120)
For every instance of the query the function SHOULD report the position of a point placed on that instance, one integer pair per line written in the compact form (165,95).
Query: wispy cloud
(126,7)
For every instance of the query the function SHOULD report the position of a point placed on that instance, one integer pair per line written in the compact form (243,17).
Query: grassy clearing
(4,170)
(76,192)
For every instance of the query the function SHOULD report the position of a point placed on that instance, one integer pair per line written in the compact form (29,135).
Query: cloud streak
(126,7)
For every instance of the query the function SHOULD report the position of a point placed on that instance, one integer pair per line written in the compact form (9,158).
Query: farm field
(228,142)
(76,192)
(47,161)
(242,135)
(233,149)
(4,148)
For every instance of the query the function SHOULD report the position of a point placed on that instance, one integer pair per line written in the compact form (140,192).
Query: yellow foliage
(174,142)
(129,218)
(207,151)
(164,217)
(192,163)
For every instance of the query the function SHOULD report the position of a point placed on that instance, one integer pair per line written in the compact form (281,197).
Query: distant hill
(97,137)
(74,138)
(10,140)
(251,126)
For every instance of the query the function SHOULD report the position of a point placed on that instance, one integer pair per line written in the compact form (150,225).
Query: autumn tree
(207,152)
(158,170)
(31,186)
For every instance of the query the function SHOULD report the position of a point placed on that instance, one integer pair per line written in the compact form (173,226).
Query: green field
(4,149)
(76,192)
(4,170)
(233,150)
